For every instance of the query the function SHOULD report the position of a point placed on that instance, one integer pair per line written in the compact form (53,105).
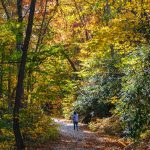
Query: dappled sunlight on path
(82,139)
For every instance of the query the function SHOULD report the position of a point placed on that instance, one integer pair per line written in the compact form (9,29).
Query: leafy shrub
(134,105)
(93,126)
(37,127)
(110,126)
(6,132)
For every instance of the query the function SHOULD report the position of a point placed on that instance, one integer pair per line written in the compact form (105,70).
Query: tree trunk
(5,9)
(9,88)
(1,75)
(19,89)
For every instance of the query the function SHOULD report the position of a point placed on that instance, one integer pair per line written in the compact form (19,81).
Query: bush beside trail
(110,126)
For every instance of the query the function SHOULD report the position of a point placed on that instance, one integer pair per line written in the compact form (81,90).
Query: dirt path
(82,139)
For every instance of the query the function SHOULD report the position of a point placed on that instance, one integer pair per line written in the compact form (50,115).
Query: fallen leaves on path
(81,140)
(87,140)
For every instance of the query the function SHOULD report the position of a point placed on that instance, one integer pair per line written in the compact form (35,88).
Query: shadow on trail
(82,139)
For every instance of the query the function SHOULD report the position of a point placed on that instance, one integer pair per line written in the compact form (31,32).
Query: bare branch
(41,36)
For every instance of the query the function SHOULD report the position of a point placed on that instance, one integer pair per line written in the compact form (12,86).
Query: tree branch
(5,9)
(40,40)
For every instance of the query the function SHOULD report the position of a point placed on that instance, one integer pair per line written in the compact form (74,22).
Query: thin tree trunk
(9,88)
(1,76)
(9,84)
(83,22)
(1,67)
(40,30)
(107,12)
(44,25)
(29,81)
(5,9)
(19,89)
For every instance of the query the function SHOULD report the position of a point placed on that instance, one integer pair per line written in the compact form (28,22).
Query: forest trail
(82,139)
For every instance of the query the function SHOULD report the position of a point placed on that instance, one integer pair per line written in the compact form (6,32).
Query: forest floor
(83,139)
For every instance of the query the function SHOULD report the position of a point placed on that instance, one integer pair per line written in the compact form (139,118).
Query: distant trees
(87,55)
(112,75)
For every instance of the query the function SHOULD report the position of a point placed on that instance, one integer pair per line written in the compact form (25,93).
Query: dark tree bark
(19,89)
(19,10)
(70,61)
(5,9)
(1,75)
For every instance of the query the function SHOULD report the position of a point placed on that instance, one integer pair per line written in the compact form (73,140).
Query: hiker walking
(75,120)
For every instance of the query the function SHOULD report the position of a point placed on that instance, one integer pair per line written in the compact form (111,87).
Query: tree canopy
(57,56)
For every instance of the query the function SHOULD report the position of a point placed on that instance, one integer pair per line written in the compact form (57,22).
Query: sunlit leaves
(134,105)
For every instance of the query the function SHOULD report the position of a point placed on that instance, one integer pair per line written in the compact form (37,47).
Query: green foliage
(67,106)
(40,129)
(90,103)
(6,35)
(94,58)
(6,132)
(99,86)
(134,104)
(35,125)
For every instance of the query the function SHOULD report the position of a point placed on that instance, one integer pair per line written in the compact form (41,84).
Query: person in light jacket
(75,120)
